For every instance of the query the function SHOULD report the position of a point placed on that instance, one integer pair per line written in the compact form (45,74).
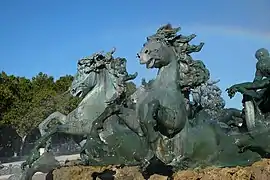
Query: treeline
(24,103)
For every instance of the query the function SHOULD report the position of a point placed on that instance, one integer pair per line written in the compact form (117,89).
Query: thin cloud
(231,30)
(196,28)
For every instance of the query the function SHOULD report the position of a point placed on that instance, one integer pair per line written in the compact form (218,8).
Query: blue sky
(50,36)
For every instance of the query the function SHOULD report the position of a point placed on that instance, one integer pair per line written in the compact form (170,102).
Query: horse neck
(103,90)
(168,75)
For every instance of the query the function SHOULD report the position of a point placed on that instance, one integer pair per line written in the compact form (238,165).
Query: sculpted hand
(233,90)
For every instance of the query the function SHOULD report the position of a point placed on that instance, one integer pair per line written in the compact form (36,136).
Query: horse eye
(146,51)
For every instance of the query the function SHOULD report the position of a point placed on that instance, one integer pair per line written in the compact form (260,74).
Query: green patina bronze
(256,94)
(159,121)
(256,103)
(100,81)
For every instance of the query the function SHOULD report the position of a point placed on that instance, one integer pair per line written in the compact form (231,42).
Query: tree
(25,103)
(65,103)
(63,83)
(6,95)
(13,91)
(42,81)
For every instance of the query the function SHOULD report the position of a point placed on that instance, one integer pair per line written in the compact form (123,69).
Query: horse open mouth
(145,59)
(79,94)
(150,64)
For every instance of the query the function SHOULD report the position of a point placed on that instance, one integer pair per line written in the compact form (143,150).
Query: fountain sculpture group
(178,119)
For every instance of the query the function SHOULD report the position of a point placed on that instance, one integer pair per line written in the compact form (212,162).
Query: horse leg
(79,128)
(171,121)
(45,163)
(43,126)
(121,146)
(149,122)
(125,115)
(128,116)
(98,123)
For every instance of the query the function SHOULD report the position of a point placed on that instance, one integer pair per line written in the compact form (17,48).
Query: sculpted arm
(258,74)
(249,88)
(258,82)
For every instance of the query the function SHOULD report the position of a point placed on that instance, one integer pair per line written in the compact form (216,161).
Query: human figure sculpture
(256,106)
(255,94)
(262,71)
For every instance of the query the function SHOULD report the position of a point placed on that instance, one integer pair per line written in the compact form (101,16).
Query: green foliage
(25,103)
(63,83)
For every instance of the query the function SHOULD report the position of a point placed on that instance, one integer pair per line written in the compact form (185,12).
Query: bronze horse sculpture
(158,126)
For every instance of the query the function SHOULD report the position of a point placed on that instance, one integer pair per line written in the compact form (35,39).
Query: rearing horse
(161,109)
(97,82)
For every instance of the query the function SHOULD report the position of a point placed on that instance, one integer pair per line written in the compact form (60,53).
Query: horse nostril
(138,56)
(73,90)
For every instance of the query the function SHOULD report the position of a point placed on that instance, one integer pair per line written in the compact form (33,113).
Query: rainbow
(231,30)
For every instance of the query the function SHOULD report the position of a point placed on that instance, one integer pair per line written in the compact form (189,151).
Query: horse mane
(166,33)
(182,48)
(104,61)
(170,36)
(100,60)
(94,62)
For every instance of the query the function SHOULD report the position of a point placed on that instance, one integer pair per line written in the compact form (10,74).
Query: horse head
(167,47)
(156,53)
(86,77)
(99,70)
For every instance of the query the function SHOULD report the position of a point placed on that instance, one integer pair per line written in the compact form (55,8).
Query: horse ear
(171,41)
(113,50)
